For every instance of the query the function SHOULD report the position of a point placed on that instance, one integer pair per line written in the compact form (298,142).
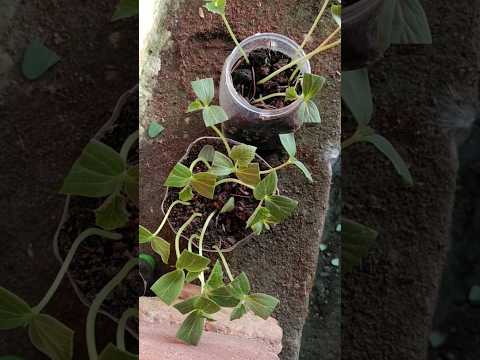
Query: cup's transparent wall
(247,123)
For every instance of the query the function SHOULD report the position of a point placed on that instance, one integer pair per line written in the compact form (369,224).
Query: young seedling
(218,7)
(46,333)
(100,172)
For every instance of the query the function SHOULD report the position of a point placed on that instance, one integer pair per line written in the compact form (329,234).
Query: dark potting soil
(98,260)
(225,230)
(263,62)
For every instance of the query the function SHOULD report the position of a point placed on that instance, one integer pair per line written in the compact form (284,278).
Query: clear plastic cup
(247,123)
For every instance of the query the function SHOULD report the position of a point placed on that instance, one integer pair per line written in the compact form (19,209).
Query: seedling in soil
(218,7)
(46,333)
(100,172)
(205,176)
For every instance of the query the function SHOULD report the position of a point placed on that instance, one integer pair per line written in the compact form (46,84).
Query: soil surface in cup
(225,230)
(263,62)
(98,260)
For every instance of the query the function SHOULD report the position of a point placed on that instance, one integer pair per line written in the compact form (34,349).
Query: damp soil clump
(225,230)
(263,62)
(98,260)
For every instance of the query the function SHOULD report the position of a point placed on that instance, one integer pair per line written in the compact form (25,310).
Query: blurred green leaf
(186,194)
(357,95)
(111,352)
(37,60)
(229,205)
(51,337)
(14,312)
(215,6)
(155,129)
(243,154)
(126,9)
(112,214)
(214,115)
(289,144)
(356,242)
(312,84)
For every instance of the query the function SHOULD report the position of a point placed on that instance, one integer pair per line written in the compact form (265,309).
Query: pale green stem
(122,324)
(127,145)
(263,98)
(68,259)
(236,181)
(200,245)
(224,139)
(315,23)
(190,241)
(164,221)
(276,168)
(225,264)
(317,51)
(234,38)
(181,230)
(97,303)
(297,70)
(350,141)
(196,161)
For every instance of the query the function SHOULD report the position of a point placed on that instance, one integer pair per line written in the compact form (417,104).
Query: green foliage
(249,174)
(357,95)
(336,10)
(229,206)
(356,242)
(169,286)
(266,187)
(182,177)
(111,352)
(215,6)
(51,337)
(192,328)
(212,115)
(155,129)
(280,207)
(37,60)
(14,312)
(126,9)
(290,146)
(222,165)
(100,171)
(308,112)
(243,154)
(312,84)
(192,262)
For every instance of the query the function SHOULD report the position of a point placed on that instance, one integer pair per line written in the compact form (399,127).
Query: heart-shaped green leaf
(98,172)
(111,352)
(37,60)
(308,112)
(215,280)
(224,297)
(336,11)
(169,286)
(113,213)
(51,337)
(192,328)
(304,169)
(289,144)
(192,262)
(356,242)
(243,154)
(204,184)
(215,6)
(131,183)
(240,286)
(125,9)
(161,247)
(195,106)
(229,205)
(214,115)
(357,95)
(311,86)
(207,153)
(179,177)
(187,306)
(238,312)
(186,194)
(260,215)
(222,165)
(14,312)
(155,129)
(249,174)
(266,187)
(281,207)
(204,89)
(262,305)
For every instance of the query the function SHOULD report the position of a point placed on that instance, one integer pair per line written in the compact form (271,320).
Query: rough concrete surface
(249,338)
(283,262)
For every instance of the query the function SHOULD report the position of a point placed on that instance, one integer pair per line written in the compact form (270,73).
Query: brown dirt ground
(45,125)
(198,49)
(388,303)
